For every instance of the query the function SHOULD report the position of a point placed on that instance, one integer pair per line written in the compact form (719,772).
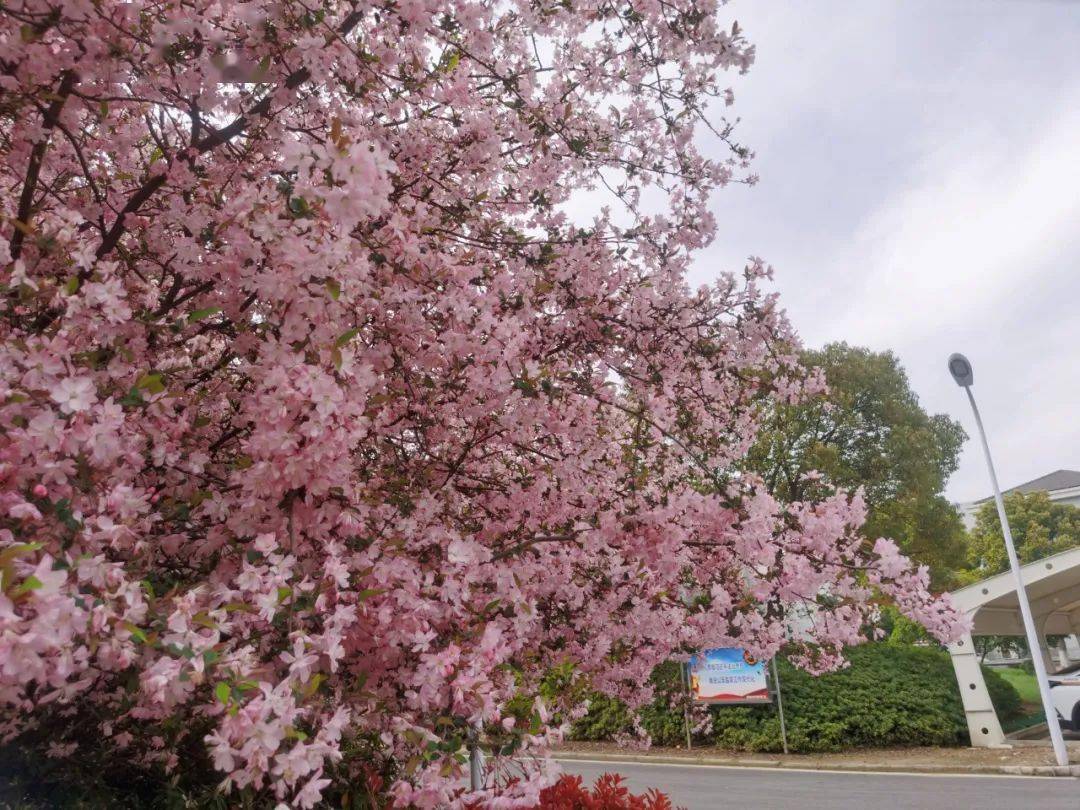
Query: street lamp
(960,369)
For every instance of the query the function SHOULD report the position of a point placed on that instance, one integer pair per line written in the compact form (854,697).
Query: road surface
(704,787)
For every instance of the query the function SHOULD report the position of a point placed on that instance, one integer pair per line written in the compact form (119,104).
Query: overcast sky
(920,192)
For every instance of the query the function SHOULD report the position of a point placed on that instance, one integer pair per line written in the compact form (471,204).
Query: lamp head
(960,368)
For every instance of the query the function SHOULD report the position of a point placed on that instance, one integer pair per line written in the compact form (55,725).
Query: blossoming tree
(327,431)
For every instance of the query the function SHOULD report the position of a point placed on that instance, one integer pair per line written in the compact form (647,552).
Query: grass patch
(1023,682)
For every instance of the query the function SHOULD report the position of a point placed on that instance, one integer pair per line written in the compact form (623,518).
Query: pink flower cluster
(326,432)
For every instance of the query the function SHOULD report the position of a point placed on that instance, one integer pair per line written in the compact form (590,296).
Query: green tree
(1039,526)
(869,430)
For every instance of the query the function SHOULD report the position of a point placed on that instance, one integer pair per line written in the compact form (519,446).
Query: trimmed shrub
(606,719)
(890,695)
(1005,697)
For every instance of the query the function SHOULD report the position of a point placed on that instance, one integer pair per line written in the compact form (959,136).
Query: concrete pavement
(704,787)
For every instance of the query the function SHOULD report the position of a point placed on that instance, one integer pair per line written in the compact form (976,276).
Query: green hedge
(890,695)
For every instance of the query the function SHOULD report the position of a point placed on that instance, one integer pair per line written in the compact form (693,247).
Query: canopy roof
(1053,587)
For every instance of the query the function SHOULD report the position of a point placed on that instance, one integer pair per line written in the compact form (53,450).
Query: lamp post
(476,759)
(960,369)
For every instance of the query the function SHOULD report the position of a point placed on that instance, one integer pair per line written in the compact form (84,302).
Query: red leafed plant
(608,793)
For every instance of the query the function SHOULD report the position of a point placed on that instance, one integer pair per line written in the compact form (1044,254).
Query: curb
(1042,770)
(730,762)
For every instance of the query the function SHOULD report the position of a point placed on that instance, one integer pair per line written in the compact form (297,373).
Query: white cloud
(979,227)
(920,192)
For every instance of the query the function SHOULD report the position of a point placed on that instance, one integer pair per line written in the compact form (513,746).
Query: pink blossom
(74,394)
(24,511)
(351,429)
(310,794)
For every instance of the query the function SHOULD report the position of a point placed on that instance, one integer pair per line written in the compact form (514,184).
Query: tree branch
(37,155)
(215,139)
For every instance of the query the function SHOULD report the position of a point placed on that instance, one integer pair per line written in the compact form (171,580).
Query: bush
(607,794)
(609,718)
(1003,694)
(890,695)
(606,719)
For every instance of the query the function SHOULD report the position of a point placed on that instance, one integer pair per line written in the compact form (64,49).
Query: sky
(920,192)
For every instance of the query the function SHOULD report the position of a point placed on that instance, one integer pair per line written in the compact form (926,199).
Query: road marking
(782,769)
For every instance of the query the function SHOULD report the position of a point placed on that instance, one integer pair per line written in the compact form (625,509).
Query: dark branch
(37,155)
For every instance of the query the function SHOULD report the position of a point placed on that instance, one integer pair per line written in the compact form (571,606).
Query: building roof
(1051,482)
(1058,479)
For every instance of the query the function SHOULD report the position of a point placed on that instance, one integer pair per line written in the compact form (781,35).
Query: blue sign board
(728,675)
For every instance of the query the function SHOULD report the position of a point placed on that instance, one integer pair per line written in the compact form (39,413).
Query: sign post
(779,704)
(730,676)
(686,705)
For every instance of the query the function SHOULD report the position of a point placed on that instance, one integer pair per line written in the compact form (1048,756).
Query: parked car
(1065,695)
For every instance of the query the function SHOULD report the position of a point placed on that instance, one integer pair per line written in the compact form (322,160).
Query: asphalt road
(703,787)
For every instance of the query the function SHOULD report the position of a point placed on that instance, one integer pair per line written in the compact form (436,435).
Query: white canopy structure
(1053,586)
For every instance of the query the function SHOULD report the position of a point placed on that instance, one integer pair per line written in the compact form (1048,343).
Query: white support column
(982,720)
(1048,655)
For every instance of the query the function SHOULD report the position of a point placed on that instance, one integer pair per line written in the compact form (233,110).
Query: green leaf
(334,288)
(136,632)
(526,387)
(151,383)
(313,685)
(11,552)
(200,314)
(367,593)
(451,60)
(72,285)
(210,656)
(261,69)
(132,399)
(31,583)
(223,692)
(345,337)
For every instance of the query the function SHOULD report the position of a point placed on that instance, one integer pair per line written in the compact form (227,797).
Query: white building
(1061,486)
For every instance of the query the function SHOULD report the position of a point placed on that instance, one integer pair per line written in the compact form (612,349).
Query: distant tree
(1015,646)
(869,430)
(1039,526)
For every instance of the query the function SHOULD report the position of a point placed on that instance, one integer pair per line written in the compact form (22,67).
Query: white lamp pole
(961,371)
(476,760)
